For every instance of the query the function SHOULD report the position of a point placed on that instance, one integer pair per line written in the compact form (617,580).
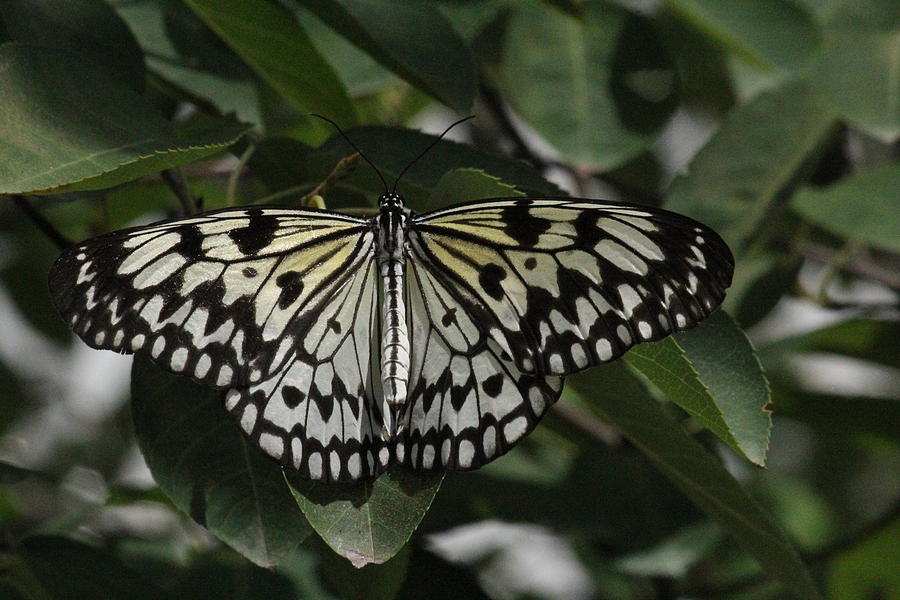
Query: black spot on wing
(191,242)
(257,234)
(449,317)
(334,325)
(490,277)
(291,287)
(292,396)
(523,226)
(492,385)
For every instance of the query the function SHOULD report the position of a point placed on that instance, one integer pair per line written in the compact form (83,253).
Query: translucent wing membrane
(565,284)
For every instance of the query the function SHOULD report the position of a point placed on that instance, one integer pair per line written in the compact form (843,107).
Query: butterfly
(436,341)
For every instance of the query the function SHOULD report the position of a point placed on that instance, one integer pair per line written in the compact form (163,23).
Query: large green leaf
(868,570)
(67,126)
(862,207)
(859,69)
(462,185)
(615,395)
(862,337)
(217,77)
(759,150)
(840,414)
(268,38)
(776,33)
(88,27)
(371,581)
(392,148)
(367,522)
(598,87)
(712,372)
(202,460)
(412,39)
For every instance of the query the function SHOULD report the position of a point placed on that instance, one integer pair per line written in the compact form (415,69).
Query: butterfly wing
(508,295)
(468,401)
(276,305)
(564,284)
(219,296)
(320,414)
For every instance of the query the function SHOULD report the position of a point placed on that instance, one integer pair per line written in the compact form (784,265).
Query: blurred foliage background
(774,121)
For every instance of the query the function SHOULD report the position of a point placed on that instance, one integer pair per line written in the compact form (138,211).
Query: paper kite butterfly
(435,341)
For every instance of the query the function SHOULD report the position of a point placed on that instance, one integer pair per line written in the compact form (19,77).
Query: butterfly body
(435,341)
(392,231)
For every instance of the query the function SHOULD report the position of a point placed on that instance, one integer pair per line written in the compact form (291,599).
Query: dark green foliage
(775,122)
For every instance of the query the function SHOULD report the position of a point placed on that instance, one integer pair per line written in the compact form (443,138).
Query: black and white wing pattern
(513,294)
(275,305)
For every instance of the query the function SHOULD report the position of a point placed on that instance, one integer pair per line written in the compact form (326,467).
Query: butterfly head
(390,200)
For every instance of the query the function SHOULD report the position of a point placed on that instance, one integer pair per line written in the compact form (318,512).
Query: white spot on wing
(515,429)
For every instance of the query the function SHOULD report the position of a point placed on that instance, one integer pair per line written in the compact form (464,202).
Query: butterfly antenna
(425,151)
(358,151)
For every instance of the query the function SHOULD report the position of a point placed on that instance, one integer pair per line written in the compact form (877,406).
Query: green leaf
(618,398)
(599,87)
(864,338)
(367,522)
(462,185)
(861,208)
(763,278)
(50,567)
(370,581)
(268,38)
(675,555)
(436,579)
(840,414)
(392,148)
(359,72)
(712,372)
(55,136)
(227,85)
(868,570)
(859,69)
(776,33)
(413,40)
(759,150)
(88,27)
(203,461)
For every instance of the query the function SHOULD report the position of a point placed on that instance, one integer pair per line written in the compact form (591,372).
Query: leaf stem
(176,182)
(235,176)
(45,226)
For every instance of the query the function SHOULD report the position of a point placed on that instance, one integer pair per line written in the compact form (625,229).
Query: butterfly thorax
(392,222)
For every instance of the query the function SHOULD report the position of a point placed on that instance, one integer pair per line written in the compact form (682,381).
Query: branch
(495,105)
(45,226)
(859,265)
(175,180)
(587,423)
(861,535)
